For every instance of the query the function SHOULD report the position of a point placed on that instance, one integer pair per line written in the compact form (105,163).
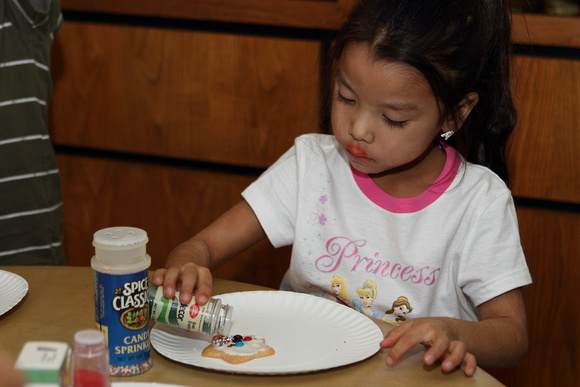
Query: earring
(445,135)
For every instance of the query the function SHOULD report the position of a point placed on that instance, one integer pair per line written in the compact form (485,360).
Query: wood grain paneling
(327,14)
(543,30)
(543,158)
(170,203)
(550,242)
(193,95)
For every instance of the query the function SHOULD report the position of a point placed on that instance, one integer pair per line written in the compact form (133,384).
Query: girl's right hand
(194,279)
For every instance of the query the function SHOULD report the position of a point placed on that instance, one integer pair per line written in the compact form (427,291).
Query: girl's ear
(463,109)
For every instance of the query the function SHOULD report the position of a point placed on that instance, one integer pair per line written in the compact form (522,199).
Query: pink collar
(417,203)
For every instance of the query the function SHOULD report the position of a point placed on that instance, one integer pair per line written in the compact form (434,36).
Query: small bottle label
(122,313)
(171,311)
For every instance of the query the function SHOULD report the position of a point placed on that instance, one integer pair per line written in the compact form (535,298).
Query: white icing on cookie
(251,345)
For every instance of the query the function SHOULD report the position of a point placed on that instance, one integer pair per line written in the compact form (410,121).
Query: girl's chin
(365,169)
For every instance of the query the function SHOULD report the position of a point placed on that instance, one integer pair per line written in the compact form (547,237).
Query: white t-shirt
(441,253)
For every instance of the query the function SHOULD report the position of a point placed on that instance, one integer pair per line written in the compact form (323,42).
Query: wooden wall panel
(171,203)
(194,95)
(544,159)
(544,30)
(550,242)
(328,14)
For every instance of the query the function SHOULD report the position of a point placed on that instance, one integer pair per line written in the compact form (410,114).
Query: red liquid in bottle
(90,378)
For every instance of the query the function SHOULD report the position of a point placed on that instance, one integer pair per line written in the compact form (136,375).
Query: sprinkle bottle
(121,287)
(90,360)
(210,319)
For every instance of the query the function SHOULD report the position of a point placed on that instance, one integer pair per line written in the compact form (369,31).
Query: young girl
(422,218)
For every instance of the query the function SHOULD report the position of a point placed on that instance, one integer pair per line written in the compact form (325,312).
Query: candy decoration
(221,340)
(230,341)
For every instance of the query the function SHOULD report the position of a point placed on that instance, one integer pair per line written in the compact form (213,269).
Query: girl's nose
(361,127)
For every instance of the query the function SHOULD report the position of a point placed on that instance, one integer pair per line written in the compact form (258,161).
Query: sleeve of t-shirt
(493,261)
(272,197)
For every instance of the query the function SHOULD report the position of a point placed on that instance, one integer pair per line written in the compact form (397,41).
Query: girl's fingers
(187,283)
(172,276)
(194,280)
(470,364)
(456,356)
(402,341)
(394,335)
(189,280)
(437,350)
(204,286)
(451,353)
(159,276)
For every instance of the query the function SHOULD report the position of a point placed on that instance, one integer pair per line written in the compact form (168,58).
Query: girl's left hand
(436,335)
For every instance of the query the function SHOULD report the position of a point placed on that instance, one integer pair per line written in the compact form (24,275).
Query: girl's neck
(414,178)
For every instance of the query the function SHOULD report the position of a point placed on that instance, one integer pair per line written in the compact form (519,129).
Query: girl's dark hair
(460,46)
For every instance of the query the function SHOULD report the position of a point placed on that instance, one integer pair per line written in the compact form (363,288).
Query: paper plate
(12,289)
(308,334)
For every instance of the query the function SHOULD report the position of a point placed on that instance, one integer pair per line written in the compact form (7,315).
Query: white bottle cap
(90,337)
(120,250)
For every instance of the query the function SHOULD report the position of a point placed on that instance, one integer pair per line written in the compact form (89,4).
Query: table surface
(60,302)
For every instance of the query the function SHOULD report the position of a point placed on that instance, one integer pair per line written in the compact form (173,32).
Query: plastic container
(210,319)
(121,288)
(44,363)
(90,360)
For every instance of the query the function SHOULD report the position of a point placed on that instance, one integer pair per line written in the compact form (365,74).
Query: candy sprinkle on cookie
(238,349)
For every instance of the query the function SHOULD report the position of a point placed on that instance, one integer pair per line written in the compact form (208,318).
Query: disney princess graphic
(396,315)
(339,290)
(367,295)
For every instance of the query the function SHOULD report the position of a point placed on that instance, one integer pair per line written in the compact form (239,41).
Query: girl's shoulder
(481,182)
(317,146)
(316,140)
(309,150)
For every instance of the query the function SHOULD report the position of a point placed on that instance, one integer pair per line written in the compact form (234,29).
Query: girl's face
(336,287)
(385,117)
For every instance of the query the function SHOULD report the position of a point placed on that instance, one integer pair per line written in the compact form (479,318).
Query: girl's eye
(398,124)
(343,99)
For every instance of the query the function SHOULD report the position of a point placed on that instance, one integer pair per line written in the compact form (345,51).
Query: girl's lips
(357,152)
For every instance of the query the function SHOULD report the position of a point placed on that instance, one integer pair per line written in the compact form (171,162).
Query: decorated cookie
(237,349)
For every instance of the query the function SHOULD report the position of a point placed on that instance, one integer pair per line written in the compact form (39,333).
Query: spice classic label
(122,313)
